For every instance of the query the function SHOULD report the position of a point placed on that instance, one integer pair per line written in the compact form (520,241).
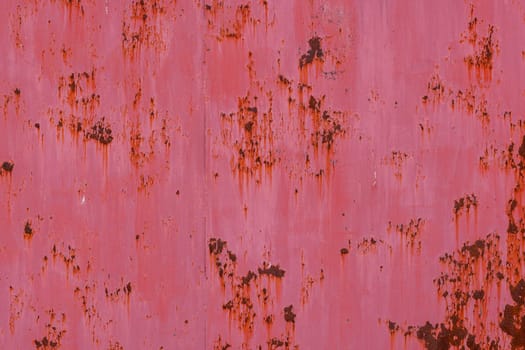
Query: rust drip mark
(253,137)
(69,258)
(118,293)
(246,292)
(52,340)
(234,19)
(241,307)
(483,56)
(14,97)
(78,90)
(397,160)
(220,345)
(370,245)
(236,29)
(435,90)
(471,100)
(101,132)
(314,53)
(411,233)
(73,4)
(465,203)
(145,183)
(16,307)
(144,28)
(461,287)
(489,155)
(326,129)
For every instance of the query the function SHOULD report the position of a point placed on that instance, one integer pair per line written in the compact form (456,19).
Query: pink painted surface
(262,174)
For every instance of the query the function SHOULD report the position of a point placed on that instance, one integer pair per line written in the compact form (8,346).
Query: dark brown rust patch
(51,340)
(284,80)
(7,167)
(216,245)
(228,305)
(28,230)
(466,203)
(457,286)
(248,278)
(475,250)
(521,150)
(442,337)
(344,251)
(513,320)
(127,288)
(478,294)
(315,52)
(232,256)
(271,270)
(289,315)
(100,132)
(393,327)
(517,292)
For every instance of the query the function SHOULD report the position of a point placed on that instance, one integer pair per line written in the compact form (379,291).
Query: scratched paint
(262,175)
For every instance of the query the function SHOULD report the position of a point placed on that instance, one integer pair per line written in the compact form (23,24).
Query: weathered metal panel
(262,174)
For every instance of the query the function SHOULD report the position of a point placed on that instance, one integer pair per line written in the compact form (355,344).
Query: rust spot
(478,294)
(314,52)
(393,327)
(284,80)
(228,305)
(7,167)
(17,92)
(28,230)
(289,315)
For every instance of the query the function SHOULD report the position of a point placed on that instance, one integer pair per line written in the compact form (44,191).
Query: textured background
(262,174)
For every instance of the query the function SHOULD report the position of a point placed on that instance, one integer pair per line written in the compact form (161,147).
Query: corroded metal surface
(262,174)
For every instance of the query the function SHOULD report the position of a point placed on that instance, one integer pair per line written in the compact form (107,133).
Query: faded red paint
(262,175)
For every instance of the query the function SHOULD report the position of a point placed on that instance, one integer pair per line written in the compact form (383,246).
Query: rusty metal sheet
(262,174)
